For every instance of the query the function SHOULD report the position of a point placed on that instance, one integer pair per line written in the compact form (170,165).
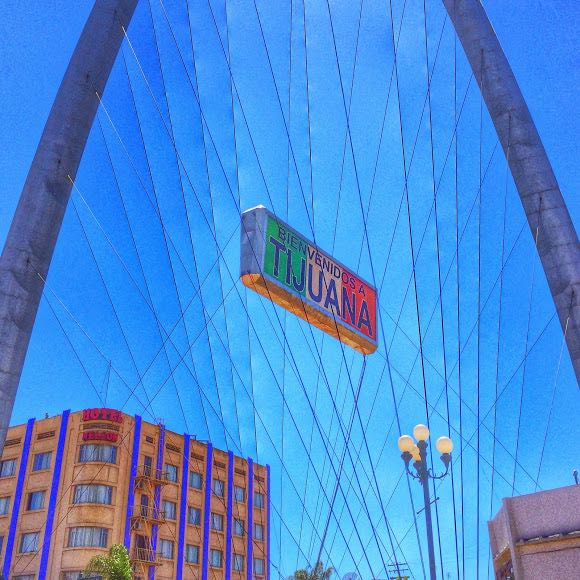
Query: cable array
(215,107)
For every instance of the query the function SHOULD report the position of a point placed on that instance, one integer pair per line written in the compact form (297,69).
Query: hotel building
(74,484)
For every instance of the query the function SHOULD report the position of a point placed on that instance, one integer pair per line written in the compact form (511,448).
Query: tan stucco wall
(531,530)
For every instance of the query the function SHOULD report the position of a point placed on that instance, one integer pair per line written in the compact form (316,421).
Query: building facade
(537,536)
(74,484)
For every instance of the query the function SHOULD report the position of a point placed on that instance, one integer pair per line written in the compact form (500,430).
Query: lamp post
(417,451)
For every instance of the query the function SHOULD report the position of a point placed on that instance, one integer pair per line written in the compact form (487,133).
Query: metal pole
(30,243)
(424,478)
(558,245)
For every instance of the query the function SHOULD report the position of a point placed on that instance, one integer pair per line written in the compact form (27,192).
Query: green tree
(114,566)
(316,573)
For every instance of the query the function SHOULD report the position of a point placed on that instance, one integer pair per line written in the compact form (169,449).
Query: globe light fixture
(421,432)
(444,445)
(406,443)
(416,453)
(423,473)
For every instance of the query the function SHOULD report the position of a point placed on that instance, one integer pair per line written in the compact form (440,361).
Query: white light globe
(406,443)
(421,432)
(444,445)
(416,453)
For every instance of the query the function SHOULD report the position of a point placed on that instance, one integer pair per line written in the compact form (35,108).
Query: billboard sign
(284,266)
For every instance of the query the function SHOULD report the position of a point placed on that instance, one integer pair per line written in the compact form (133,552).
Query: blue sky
(242,362)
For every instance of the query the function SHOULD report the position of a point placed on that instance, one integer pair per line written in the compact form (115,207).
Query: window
(7,467)
(29,543)
(215,558)
(90,493)
(239,493)
(258,531)
(147,465)
(195,480)
(88,537)
(192,554)
(143,509)
(258,499)
(171,472)
(193,516)
(166,549)
(92,452)
(217,522)
(218,487)
(169,509)
(42,461)
(258,566)
(24,577)
(238,527)
(35,500)
(76,574)
(238,563)
(4,505)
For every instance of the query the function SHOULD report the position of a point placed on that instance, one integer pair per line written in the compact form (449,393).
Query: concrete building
(74,484)
(537,536)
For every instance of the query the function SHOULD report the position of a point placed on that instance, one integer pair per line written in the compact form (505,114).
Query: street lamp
(417,451)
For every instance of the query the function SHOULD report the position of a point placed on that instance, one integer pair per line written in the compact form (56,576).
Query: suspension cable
(499,328)
(530,304)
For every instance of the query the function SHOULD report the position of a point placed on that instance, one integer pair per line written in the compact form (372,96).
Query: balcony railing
(157,476)
(144,556)
(144,512)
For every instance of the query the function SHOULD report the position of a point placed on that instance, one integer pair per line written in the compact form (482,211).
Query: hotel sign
(102,415)
(282,265)
(100,436)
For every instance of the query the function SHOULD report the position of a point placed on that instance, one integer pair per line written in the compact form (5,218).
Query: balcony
(148,514)
(152,476)
(144,557)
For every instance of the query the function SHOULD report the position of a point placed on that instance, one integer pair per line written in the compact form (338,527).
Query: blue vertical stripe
(229,515)
(17,499)
(250,534)
(182,508)
(268,516)
(157,497)
(206,513)
(132,474)
(53,495)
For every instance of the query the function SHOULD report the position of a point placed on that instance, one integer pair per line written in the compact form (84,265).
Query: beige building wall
(537,536)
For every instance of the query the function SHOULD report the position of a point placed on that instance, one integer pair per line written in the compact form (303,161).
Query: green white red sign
(284,266)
